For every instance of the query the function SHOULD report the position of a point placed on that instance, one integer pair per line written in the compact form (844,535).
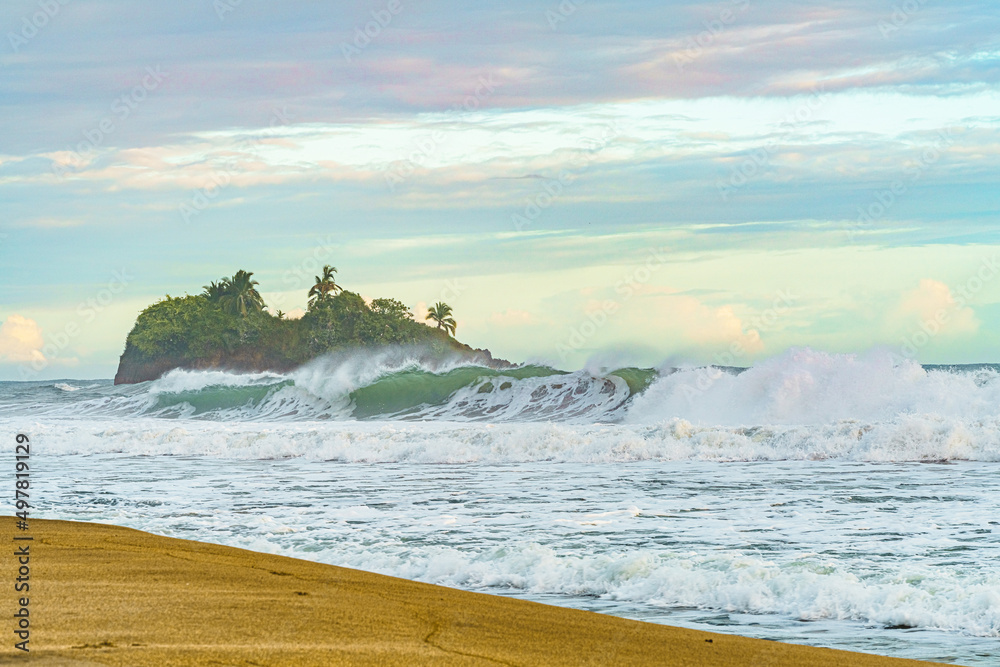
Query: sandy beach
(105,595)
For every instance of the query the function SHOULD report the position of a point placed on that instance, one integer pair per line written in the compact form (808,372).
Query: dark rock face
(484,357)
(133,367)
(131,371)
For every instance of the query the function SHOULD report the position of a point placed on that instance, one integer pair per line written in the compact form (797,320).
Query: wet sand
(104,595)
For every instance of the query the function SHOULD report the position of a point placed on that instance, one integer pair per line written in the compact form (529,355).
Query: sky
(585,182)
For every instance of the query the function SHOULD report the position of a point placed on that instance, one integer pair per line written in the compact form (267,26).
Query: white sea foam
(906,438)
(807,589)
(65,387)
(580,491)
(800,406)
(181,380)
(801,388)
(808,387)
(881,545)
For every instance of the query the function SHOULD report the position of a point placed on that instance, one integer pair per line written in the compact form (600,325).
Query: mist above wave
(801,405)
(804,386)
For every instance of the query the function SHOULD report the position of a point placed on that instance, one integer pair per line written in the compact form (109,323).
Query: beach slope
(104,595)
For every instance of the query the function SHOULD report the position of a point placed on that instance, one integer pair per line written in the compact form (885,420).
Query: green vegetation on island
(229,326)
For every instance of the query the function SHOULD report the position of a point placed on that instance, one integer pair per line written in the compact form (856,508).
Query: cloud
(433,58)
(661,318)
(689,323)
(52,223)
(21,340)
(682,134)
(420,313)
(933,302)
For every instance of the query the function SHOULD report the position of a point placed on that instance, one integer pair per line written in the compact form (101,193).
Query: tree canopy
(228,323)
(237,295)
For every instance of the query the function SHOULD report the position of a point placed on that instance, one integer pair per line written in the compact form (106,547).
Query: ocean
(833,500)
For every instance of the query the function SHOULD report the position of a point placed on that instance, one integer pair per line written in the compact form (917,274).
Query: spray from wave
(802,405)
(389,385)
(800,387)
(808,387)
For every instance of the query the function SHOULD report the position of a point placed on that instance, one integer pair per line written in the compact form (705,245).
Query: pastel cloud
(692,324)
(432,162)
(21,340)
(932,304)
(433,58)
(623,321)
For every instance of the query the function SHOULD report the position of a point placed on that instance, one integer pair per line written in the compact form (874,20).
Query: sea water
(849,502)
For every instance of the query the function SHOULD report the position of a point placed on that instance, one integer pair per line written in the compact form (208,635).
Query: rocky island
(229,327)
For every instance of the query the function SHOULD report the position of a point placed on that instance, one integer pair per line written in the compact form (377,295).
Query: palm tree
(324,286)
(441,313)
(241,297)
(214,291)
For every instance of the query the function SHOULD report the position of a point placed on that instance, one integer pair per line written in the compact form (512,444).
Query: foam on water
(808,387)
(799,388)
(864,551)
(386,385)
(802,405)
(587,488)
(906,438)
(63,386)
(809,589)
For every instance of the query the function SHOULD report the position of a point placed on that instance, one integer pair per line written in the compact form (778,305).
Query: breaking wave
(364,387)
(802,405)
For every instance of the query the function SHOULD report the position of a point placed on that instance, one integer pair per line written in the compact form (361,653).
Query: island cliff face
(133,366)
(195,333)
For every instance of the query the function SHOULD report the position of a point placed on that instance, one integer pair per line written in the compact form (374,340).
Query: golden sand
(104,595)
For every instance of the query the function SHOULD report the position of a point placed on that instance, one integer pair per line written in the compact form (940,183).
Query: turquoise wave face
(637,379)
(404,392)
(362,392)
(368,389)
(217,398)
(800,387)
